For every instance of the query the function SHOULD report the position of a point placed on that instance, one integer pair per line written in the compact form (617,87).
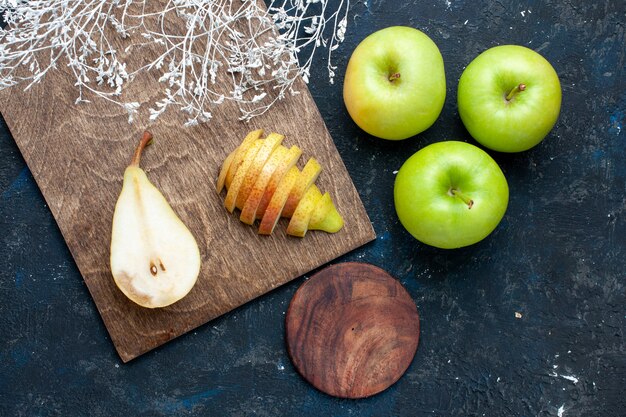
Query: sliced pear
(155,260)
(299,223)
(248,212)
(271,142)
(288,162)
(240,153)
(264,183)
(275,207)
(240,174)
(221,179)
(325,216)
(309,174)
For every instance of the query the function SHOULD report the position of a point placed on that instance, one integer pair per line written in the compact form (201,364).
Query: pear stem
(463,197)
(146,140)
(517,89)
(394,76)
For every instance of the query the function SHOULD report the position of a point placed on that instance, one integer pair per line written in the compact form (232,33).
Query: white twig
(227,50)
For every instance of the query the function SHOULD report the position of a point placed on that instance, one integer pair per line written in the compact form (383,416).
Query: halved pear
(155,260)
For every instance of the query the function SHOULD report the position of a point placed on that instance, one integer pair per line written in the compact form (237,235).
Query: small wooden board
(78,153)
(352,330)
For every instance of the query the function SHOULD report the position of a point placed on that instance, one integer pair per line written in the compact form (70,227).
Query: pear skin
(233,188)
(277,203)
(290,160)
(155,260)
(240,153)
(307,177)
(325,216)
(248,212)
(299,223)
(270,144)
(221,179)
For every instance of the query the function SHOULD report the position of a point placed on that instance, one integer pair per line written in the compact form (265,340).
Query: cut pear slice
(248,212)
(221,179)
(307,177)
(233,190)
(271,142)
(288,162)
(275,207)
(325,216)
(299,223)
(240,153)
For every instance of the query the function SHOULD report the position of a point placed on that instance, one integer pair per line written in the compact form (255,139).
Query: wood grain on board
(78,153)
(352,330)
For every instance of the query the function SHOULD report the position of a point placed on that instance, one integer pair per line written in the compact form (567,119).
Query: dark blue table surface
(558,258)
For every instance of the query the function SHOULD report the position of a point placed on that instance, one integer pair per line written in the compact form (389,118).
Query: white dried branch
(229,50)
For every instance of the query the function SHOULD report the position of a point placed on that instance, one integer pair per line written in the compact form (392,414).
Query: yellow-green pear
(155,259)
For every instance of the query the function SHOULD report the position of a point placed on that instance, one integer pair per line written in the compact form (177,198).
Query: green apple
(450,194)
(509,98)
(395,84)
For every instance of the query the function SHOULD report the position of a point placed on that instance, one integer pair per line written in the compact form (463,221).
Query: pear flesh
(155,260)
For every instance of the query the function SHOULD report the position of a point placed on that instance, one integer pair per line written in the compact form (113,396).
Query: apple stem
(146,140)
(515,90)
(394,76)
(463,197)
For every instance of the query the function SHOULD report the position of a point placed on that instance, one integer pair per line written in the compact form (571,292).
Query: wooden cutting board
(78,153)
